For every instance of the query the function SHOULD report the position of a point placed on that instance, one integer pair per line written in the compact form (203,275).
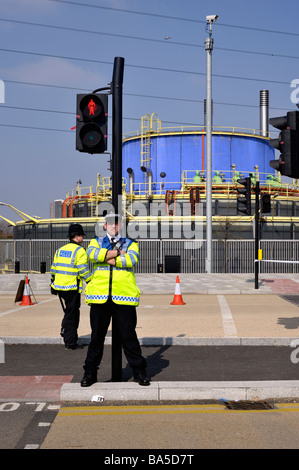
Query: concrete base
(164,341)
(158,391)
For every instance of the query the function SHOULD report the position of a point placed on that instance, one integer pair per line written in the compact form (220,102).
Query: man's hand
(111,255)
(112,262)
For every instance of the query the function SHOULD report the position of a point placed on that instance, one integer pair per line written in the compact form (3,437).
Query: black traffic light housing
(266,203)
(287,143)
(244,203)
(91,127)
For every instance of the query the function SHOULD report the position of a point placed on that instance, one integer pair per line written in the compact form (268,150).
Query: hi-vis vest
(70,267)
(117,282)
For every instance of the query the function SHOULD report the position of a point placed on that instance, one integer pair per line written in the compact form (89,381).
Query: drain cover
(248,405)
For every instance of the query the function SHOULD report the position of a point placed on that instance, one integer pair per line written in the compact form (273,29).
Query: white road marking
(229,326)
(18,309)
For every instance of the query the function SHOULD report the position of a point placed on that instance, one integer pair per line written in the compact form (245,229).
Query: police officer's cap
(75,229)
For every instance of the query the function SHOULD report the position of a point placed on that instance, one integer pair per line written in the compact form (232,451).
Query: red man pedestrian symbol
(91,107)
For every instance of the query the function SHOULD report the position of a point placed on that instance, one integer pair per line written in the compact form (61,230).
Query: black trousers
(70,322)
(125,321)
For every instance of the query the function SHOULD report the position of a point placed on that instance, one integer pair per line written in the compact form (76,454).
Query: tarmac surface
(220,310)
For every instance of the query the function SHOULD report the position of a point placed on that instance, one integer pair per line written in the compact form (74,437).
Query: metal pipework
(131,179)
(264,113)
(148,171)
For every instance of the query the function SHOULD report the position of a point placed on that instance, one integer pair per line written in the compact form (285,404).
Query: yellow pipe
(20,213)
(7,220)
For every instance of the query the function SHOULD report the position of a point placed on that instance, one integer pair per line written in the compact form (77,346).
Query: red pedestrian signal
(91,107)
(91,128)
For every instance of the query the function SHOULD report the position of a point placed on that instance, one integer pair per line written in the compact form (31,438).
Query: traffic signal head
(287,143)
(244,201)
(266,203)
(91,128)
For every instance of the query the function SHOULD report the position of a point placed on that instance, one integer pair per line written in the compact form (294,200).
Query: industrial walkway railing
(185,256)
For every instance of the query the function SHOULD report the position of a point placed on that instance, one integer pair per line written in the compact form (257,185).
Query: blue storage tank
(179,155)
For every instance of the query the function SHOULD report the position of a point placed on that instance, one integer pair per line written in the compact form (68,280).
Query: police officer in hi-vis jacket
(69,268)
(113,291)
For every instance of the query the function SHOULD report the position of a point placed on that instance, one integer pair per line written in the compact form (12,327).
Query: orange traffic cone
(26,300)
(178,299)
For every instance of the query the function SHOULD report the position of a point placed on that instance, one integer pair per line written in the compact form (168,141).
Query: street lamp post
(209,47)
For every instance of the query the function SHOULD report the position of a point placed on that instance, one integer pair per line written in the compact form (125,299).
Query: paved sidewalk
(220,309)
(165,283)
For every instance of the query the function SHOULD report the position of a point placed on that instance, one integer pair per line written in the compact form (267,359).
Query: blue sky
(51,50)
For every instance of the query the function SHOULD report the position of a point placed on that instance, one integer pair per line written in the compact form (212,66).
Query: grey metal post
(209,47)
(257,235)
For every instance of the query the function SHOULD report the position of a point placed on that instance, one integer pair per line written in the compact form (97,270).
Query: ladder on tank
(149,125)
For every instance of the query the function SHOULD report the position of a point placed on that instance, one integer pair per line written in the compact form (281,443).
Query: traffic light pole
(256,245)
(116,88)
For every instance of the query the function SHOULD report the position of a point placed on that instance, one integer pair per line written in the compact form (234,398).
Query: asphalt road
(34,423)
(24,425)
(165,363)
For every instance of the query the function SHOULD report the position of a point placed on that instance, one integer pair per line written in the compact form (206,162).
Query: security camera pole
(116,88)
(209,47)
(257,235)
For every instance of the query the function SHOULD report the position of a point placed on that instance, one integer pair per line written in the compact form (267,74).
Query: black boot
(141,378)
(88,380)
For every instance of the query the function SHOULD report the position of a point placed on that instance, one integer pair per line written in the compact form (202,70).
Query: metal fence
(229,256)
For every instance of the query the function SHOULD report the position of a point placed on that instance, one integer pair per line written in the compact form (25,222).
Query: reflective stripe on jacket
(70,267)
(116,281)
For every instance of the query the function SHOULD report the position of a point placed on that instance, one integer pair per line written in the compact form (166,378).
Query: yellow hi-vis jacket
(117,282)
(70,267)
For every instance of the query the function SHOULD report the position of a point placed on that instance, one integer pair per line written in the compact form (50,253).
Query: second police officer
(69,268)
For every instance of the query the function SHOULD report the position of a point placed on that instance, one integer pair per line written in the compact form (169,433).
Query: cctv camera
(212,18)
